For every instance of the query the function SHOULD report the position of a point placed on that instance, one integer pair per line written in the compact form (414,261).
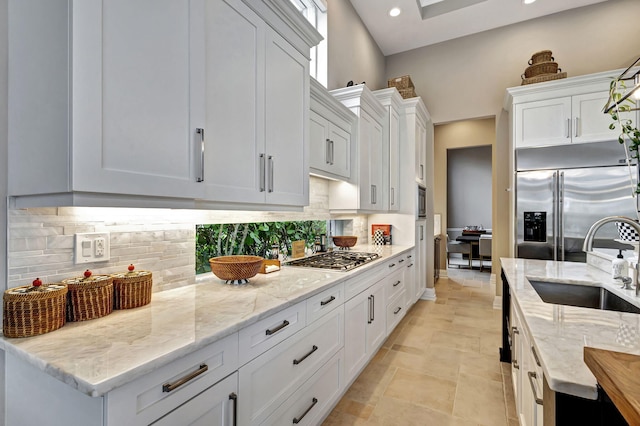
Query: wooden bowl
(235,268)
(345,240)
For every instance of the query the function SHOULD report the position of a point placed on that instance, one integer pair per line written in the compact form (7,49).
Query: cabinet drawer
(147,399)
(267,381)
(266,333)
(395,311)
(324,302)
(395,284)
(311,403)
(363,281)
(213,407)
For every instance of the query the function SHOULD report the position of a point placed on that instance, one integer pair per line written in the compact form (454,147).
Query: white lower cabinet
(527,375)
(139,402)
(311,402)
(365,328)
(271,378)
(396,310)
(217,406)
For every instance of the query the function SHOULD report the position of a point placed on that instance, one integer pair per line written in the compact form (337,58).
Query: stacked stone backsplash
(41,240)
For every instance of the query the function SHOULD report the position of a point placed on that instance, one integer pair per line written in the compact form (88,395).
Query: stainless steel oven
(422,201)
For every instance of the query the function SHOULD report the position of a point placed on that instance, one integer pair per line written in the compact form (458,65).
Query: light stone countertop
(560,332)
(99,355)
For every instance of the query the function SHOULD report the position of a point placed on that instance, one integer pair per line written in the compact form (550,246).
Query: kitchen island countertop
(102,354)
(559,332)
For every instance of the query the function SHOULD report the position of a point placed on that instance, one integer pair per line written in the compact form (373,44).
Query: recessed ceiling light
(528,1)
(394,12)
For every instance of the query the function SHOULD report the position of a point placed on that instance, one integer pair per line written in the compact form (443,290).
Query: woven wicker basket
(235,268)
(400,83)
(408,93)
(542,56)
(131,289)
(89,298)
(541,68)
(29,312)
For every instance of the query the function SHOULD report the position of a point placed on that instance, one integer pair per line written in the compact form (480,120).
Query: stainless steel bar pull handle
(297,420)
(327,151)
(370,320)
(532,376)
(271,165)
(331,145)
(393,196)
(262,173)
(305,356)
(421,171)
(200,131)
(535,356)
(575,131)
(568,128)
(514,360)
(168,387)
(274,330)
(234,398)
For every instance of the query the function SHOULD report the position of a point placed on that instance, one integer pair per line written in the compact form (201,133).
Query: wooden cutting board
(619,375)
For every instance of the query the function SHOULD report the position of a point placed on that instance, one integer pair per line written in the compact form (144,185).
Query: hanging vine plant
(620,103)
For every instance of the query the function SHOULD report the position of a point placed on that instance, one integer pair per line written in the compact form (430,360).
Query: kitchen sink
(585,296)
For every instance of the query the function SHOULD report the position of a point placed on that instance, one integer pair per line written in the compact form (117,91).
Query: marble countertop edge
(264,296)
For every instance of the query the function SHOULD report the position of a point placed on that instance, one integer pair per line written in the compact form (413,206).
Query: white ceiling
(447,19)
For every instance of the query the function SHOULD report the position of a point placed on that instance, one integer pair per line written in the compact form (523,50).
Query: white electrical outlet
(92,247)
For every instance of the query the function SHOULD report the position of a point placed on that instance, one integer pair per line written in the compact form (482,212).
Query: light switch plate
(92,247)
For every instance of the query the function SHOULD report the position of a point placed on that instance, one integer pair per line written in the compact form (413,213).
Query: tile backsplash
(41,240)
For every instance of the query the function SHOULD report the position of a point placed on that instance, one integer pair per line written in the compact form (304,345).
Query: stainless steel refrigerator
(561,191)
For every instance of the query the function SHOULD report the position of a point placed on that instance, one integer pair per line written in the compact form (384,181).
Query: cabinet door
(421,142)
(132,129)
(365,328)
(590,124)
(542,123)
(370,146)
(340,149)
(356,319)
(213,407)
(234,99)
(394,161)
(287,109)
(319,142)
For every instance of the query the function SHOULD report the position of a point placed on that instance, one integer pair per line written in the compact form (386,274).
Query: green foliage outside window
(252,239)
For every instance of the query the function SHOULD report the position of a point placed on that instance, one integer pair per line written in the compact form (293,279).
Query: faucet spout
(588,239)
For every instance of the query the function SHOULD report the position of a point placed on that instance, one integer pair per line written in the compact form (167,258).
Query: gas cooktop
(335,260)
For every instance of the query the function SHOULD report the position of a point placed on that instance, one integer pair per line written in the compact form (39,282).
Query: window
(316,13)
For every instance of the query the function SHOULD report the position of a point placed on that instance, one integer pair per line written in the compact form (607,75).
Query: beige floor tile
(437,362)
(481,365)
(371,383)
(455,340)
(393,412)
(429,391)
(480,400)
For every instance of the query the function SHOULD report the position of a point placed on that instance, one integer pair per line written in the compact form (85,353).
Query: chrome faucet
(588,239)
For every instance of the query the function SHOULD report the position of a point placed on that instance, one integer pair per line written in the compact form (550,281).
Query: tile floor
(439,367)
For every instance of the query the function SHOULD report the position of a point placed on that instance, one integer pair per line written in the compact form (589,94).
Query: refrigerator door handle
(561,215)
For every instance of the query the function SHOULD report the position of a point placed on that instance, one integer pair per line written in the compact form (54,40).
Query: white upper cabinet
(332,135)
(99,98)
(257,86)
(392,102)
(562,112)
(367,194)
(158,102)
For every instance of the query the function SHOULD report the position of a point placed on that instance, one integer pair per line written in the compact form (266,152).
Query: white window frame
(316,13)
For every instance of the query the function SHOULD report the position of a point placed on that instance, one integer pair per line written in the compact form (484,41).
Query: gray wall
(353,54)
(468,187)
(467,77)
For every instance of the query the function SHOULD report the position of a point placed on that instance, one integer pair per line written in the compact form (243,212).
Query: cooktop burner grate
(335,260)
